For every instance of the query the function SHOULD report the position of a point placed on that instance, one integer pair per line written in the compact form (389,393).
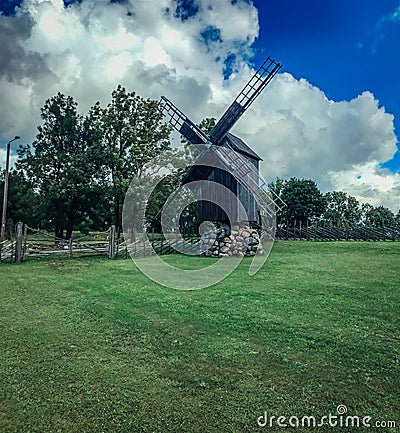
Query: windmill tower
(238,165)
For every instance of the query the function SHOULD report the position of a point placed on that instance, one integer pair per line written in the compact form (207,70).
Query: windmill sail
(252,89)
(181,122)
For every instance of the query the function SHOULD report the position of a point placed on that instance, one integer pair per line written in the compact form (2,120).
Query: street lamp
(3,218)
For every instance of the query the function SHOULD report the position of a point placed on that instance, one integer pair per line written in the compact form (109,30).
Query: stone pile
(225,242)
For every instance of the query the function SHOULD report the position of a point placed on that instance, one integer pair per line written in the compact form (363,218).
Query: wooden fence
(160,246)
(26,242)
(330,233)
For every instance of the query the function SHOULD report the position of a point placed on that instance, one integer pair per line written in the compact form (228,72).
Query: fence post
(18,245)
(70,247)
(111,245)
(25,241)
(12,257)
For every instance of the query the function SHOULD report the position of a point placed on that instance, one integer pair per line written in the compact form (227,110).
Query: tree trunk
(68,234)
(70,227)
(58,233)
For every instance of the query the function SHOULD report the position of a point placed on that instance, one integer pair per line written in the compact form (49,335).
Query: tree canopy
(341,209)
(81,166)
(304,201)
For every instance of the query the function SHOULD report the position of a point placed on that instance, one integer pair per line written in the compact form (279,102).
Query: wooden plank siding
(208,210)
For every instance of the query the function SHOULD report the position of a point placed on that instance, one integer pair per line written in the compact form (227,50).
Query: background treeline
(306,205)
(75,174)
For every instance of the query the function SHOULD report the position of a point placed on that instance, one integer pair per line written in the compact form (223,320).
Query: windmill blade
(246,97)
(181,123)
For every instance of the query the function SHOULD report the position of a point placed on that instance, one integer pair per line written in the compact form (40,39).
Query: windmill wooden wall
(208,210)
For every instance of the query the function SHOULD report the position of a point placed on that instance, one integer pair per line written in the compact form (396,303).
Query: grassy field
(92,345)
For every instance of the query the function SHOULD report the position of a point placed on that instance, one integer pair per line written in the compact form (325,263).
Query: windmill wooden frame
(239,170)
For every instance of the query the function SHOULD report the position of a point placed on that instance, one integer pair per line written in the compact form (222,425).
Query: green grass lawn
(92,345)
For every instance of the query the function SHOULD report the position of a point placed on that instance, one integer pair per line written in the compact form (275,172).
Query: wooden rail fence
(26,242)
(329,233)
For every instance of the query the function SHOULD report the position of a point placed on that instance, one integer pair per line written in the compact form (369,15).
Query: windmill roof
(203,167)
(240,146)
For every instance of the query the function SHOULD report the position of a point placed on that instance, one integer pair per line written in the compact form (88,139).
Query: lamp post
(4,214)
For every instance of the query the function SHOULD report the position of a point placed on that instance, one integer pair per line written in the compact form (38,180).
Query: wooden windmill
(238,168)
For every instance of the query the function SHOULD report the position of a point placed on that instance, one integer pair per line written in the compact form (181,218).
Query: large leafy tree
(56,165)
(133,134)
(99,213)
(82,166)
(379,216)
(304,201)
(341,209)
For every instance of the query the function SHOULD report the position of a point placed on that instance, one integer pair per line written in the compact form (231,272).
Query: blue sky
(331,115)
(342,46)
